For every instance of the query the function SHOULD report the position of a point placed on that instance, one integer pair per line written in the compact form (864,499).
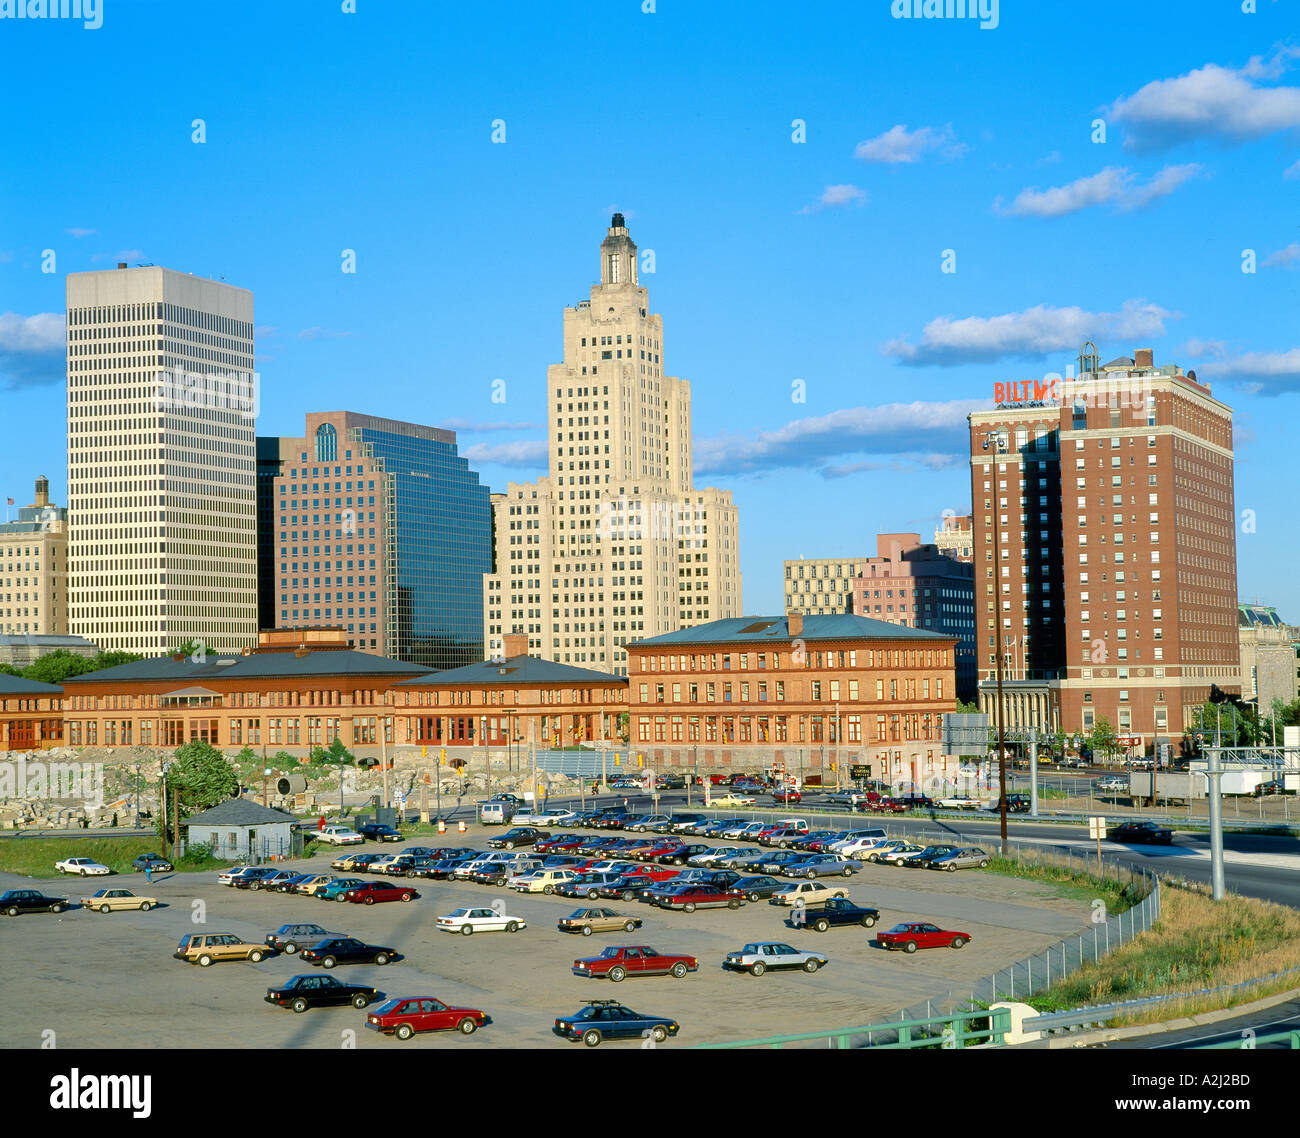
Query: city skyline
(810,270)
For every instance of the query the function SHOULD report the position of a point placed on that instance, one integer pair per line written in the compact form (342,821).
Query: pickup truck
(836,911)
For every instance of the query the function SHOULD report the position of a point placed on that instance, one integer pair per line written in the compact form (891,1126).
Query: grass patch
(1197,943)
(35,857)
(1071,884)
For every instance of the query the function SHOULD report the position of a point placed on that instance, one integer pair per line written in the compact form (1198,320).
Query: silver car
(824,866)
(773,956)
(964,858)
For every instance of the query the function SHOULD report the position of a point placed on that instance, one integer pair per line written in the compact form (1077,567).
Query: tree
(624,730)
(334,754)
(189,648)
(200,777)
(55,667)
(1103,739)
(964,708)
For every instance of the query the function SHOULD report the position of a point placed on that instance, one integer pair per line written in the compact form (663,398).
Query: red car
(887,805)
(637,960)
(372,891)
(404,1017)
(656,849)
(559,842)
(699,897)
(912,935)
(787,794)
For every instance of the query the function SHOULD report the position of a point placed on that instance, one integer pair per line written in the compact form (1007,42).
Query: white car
(859,848)
(807,893)
(227,876)
(716,854)
(875,835)
(906,849)
(337,836)
(544,818)
(542,881)
(960,802)
(82,866)
(479,920)
(748,832)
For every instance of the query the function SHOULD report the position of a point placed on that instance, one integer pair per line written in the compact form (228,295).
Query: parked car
(846,797)
(773,956)
(337,836)
(959,802)
(608,1019)
(479,920)
(379,832)
(1147,832)
(542,881)
(700,897)
(316,991)
(647,822)
(588,921)
(900,853)
(586,885)
(290,938)
(337,889)
(156,862)
(836,911)
(1271,786)
(82,866)
(619,962)
(408,1015)
(370,892)
(806,893)
(16,901)
(820,865)
(109,900)
(313,883)
(1016,804)
(357,862)
(347,950)
(755,887)
(927,855)
(787,794)
(911,935)
(732,800)
(252,877)
(204,949)
(518,836)
(1112,782)
(964,858)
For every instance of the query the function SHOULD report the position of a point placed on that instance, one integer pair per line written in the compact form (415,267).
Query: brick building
(799,688)
(31,714)
(1115,575)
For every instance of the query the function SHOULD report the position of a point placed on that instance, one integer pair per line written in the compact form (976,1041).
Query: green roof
(517,670)
(18,685)
(258,665)
(759,630)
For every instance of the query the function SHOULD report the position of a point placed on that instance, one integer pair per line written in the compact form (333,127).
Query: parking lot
(102,981)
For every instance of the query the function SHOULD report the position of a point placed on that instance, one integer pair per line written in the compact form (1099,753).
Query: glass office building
(381,528)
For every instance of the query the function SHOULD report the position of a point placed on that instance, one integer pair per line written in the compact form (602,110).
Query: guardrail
(1102,1014)
(954,1030)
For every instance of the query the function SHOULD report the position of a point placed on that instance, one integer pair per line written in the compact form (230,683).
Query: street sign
(860,770)
(1097,827)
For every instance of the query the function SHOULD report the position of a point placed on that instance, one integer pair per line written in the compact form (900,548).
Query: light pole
(1000,447)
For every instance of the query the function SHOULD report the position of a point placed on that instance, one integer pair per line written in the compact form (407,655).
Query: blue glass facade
(378,527)
(437,546)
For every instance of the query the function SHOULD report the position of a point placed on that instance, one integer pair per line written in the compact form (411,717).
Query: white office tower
(162,491)
(616,544)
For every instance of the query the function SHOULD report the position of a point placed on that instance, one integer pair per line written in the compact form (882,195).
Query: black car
(672,782)
(17,901)
(347,950)
(316,991)
(1147,832)
(379,832)
(927,855)
(916,801)
(1272,786)
(518,836)
(156,862)
(836,911)
(680,854)
(755,888)
(1016,804)
(253,878)
(367,763)
(722,878)
(775,863)
(608,1019)
(290,938)
(290,884)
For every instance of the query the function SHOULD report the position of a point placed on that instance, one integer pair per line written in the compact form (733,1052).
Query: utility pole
(383,758)
(1000,444)
(1033,773)
(162,805)
(1214,776)
(176,818)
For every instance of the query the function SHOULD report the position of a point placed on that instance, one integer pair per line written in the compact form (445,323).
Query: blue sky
(775,260)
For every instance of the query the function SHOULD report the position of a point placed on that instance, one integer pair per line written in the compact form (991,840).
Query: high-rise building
(34,568)
(820,586)
(1115,574)
(914,585)
(162,507)
(616,544)
(379,527)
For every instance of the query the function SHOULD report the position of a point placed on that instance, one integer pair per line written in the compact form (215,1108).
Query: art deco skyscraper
(162,506)
(616,544)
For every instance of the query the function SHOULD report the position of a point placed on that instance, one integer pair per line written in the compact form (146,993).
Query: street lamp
(999,440)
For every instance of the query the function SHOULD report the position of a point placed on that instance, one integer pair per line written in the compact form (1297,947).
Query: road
(1282,1017)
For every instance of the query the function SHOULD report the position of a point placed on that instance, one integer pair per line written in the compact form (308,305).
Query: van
(800,824)
(495,813)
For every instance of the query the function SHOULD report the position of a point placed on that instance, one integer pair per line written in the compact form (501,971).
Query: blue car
(335,889)
(608,1019)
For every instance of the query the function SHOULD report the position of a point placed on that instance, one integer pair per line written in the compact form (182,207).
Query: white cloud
(1034,332)
(1287,257)
(1221,103)
(896,429)
(526,452)
(1293,171)
(897,145)
(1115,185)
(1272,373)
(833,196)
(32,349)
